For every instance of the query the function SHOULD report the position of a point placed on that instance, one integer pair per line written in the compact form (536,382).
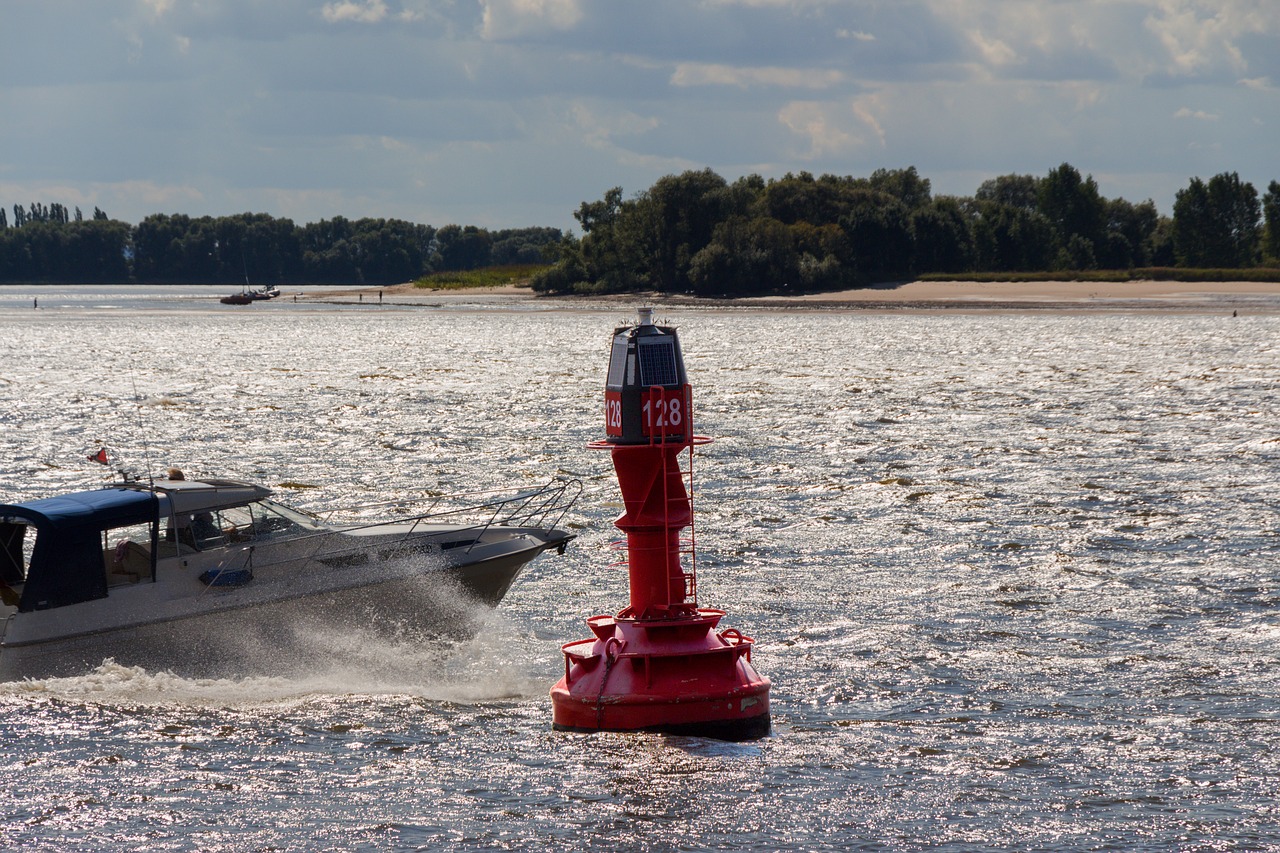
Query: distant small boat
(247,294)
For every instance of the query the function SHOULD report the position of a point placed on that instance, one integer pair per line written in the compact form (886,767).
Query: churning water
(1015,578)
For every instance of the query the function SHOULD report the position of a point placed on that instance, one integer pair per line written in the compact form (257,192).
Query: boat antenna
(142,429)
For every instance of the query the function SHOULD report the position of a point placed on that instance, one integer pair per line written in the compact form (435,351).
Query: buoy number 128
(613,415)
(663,412)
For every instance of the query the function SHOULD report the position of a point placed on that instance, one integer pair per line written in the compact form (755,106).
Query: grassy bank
(517,275)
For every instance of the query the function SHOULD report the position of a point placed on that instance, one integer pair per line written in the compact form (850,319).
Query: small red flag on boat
(100,457)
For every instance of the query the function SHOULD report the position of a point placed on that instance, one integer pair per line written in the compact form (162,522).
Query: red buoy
(662,663)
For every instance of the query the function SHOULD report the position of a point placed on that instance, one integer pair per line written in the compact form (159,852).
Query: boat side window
(15,550)
(15,556)
(126,553)
(208,529)
(231,525)
(237,523)
(199,530)
(275,519)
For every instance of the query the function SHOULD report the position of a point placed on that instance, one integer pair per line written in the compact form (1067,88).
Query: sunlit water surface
(1015,578)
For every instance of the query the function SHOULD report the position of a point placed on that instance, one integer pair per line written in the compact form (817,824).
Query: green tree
(96,251)
(610,253)
(523,245)
(825,258)
(1271,215)
(329,251)
(1216,224)
(746,256)
(878,228)
(464,247)
(1074,209)
(943,241)
(1020,191)
(1160,244)
(905,185)
(567,274)
(801,198)
(1007,238)
(674,220)
(1129,229)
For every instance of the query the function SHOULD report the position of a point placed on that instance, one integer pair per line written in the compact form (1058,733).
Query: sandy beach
(1241,297)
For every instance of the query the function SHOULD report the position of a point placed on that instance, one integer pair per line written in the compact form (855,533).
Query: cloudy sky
(506,113)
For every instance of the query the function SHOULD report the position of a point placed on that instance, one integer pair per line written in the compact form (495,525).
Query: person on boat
(203,529)
(194,530)
(179,531)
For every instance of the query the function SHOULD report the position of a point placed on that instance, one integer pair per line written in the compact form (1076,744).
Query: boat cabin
(73,548)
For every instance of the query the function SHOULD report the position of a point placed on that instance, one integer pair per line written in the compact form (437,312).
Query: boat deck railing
(544,506)
(463,519)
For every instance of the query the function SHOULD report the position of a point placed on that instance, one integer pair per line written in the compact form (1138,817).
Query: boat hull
(242,633)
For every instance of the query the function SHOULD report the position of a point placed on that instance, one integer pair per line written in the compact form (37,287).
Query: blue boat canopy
(67,560)
(111,507)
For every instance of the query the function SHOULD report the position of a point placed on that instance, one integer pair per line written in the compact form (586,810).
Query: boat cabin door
(15,556)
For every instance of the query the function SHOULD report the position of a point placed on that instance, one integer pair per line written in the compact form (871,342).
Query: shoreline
(1211,297)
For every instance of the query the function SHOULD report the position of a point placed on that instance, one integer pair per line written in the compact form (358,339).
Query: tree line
(698,233)
(49,243)
(689,233)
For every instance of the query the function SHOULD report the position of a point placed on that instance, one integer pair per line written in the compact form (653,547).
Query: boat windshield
(255,521)
(263,519)
(271,517)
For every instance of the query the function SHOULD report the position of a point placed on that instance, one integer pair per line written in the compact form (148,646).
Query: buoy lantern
(662,663)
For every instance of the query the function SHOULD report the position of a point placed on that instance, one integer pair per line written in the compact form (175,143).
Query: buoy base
(677,676)
(750,728)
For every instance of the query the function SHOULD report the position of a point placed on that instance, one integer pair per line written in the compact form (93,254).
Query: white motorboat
(212,577)
(264,292)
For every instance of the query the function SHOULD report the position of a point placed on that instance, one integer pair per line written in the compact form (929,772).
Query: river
(1015,577)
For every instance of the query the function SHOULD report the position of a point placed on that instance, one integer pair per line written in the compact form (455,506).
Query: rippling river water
(1015,578)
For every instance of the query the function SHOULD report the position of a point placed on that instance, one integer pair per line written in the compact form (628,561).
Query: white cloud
(1202,36)
(865,108)
(505,19)
(1085,95)
(158,7)
(994,51)
(367,12)
(820,124)
(1140,41)
(599,130)
(755,4)
(701,74)
(1199,115)
(133,195)
(237,105)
